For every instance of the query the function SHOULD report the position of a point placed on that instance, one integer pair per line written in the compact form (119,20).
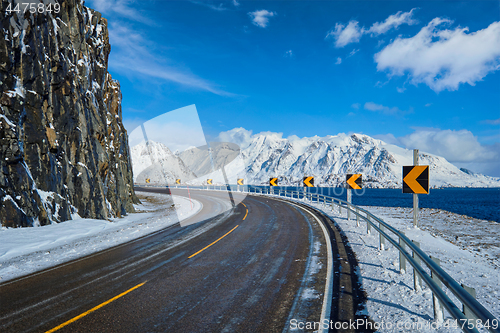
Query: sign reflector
(148,180)
(209,181)
(178,181)
(354,181)
(240,181)
(308,181)
(416,179)
(273,181)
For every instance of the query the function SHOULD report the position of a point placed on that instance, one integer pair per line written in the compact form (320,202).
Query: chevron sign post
(416,181)
(353,182)
(239,181)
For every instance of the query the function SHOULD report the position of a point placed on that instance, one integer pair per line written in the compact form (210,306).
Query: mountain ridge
(330,158)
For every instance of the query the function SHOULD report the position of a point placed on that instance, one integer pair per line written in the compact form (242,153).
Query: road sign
(209,181)
(354,181)
(148,180)
(273,181)
(416,179)
(178,181)
(240,181)
(308,181)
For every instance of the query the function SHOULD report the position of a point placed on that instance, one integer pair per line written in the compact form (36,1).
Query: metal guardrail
(467,323)
(481,316)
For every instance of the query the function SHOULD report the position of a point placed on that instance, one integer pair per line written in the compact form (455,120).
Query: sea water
(481,203)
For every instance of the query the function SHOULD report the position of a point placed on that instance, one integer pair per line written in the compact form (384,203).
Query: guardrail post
(357,216)
(368,225)
(381,239)
(348,211)
(340,208)
(417,281)
(438,307)
(402,259)
(465,310)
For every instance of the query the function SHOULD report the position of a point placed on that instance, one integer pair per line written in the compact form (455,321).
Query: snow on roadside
(468,249)
(27,250)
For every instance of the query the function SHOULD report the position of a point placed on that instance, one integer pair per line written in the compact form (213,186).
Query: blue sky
(419,74)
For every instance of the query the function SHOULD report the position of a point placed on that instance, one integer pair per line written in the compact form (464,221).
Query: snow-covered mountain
(329,159)
(201,163)
(157,163)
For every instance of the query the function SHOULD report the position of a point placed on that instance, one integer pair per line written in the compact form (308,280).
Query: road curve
(248,269)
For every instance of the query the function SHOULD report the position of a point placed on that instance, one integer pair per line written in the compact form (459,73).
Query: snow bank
(27,250)
(468,249)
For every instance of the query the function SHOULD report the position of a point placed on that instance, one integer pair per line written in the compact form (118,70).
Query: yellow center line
(206,247)
(95,308)
(246,212)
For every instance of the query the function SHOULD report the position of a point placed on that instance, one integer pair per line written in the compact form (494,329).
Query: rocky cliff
(63,147)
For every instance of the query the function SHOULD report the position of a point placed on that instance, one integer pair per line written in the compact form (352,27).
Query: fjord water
(481,203)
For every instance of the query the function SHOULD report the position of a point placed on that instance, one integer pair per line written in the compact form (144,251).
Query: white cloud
(455,146)
(124,8)
(339,61)
(493,121)
(389,138)
(220,7)
(353,52)
(240,136)
(131,55)
(352,33)
(370,106)
(400,90)
(235,3)
(443,59)
(355,106)
(460,147)
(392,22)
(427,105)
(288,54)
(344,35)
(261,17)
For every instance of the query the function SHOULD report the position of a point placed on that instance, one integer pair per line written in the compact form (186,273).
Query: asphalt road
(252,268)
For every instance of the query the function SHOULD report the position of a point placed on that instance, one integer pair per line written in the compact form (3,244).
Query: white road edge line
(327,298)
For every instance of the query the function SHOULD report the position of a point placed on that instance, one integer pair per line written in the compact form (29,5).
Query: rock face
(63,147)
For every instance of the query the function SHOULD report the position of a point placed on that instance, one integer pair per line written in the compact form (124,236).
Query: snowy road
(247,269)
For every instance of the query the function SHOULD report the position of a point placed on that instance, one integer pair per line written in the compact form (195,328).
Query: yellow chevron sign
(209,181)
(178,181)
(273,181)
(240,181)
(416,179)
(148,180)
(354,181)
(308,181)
